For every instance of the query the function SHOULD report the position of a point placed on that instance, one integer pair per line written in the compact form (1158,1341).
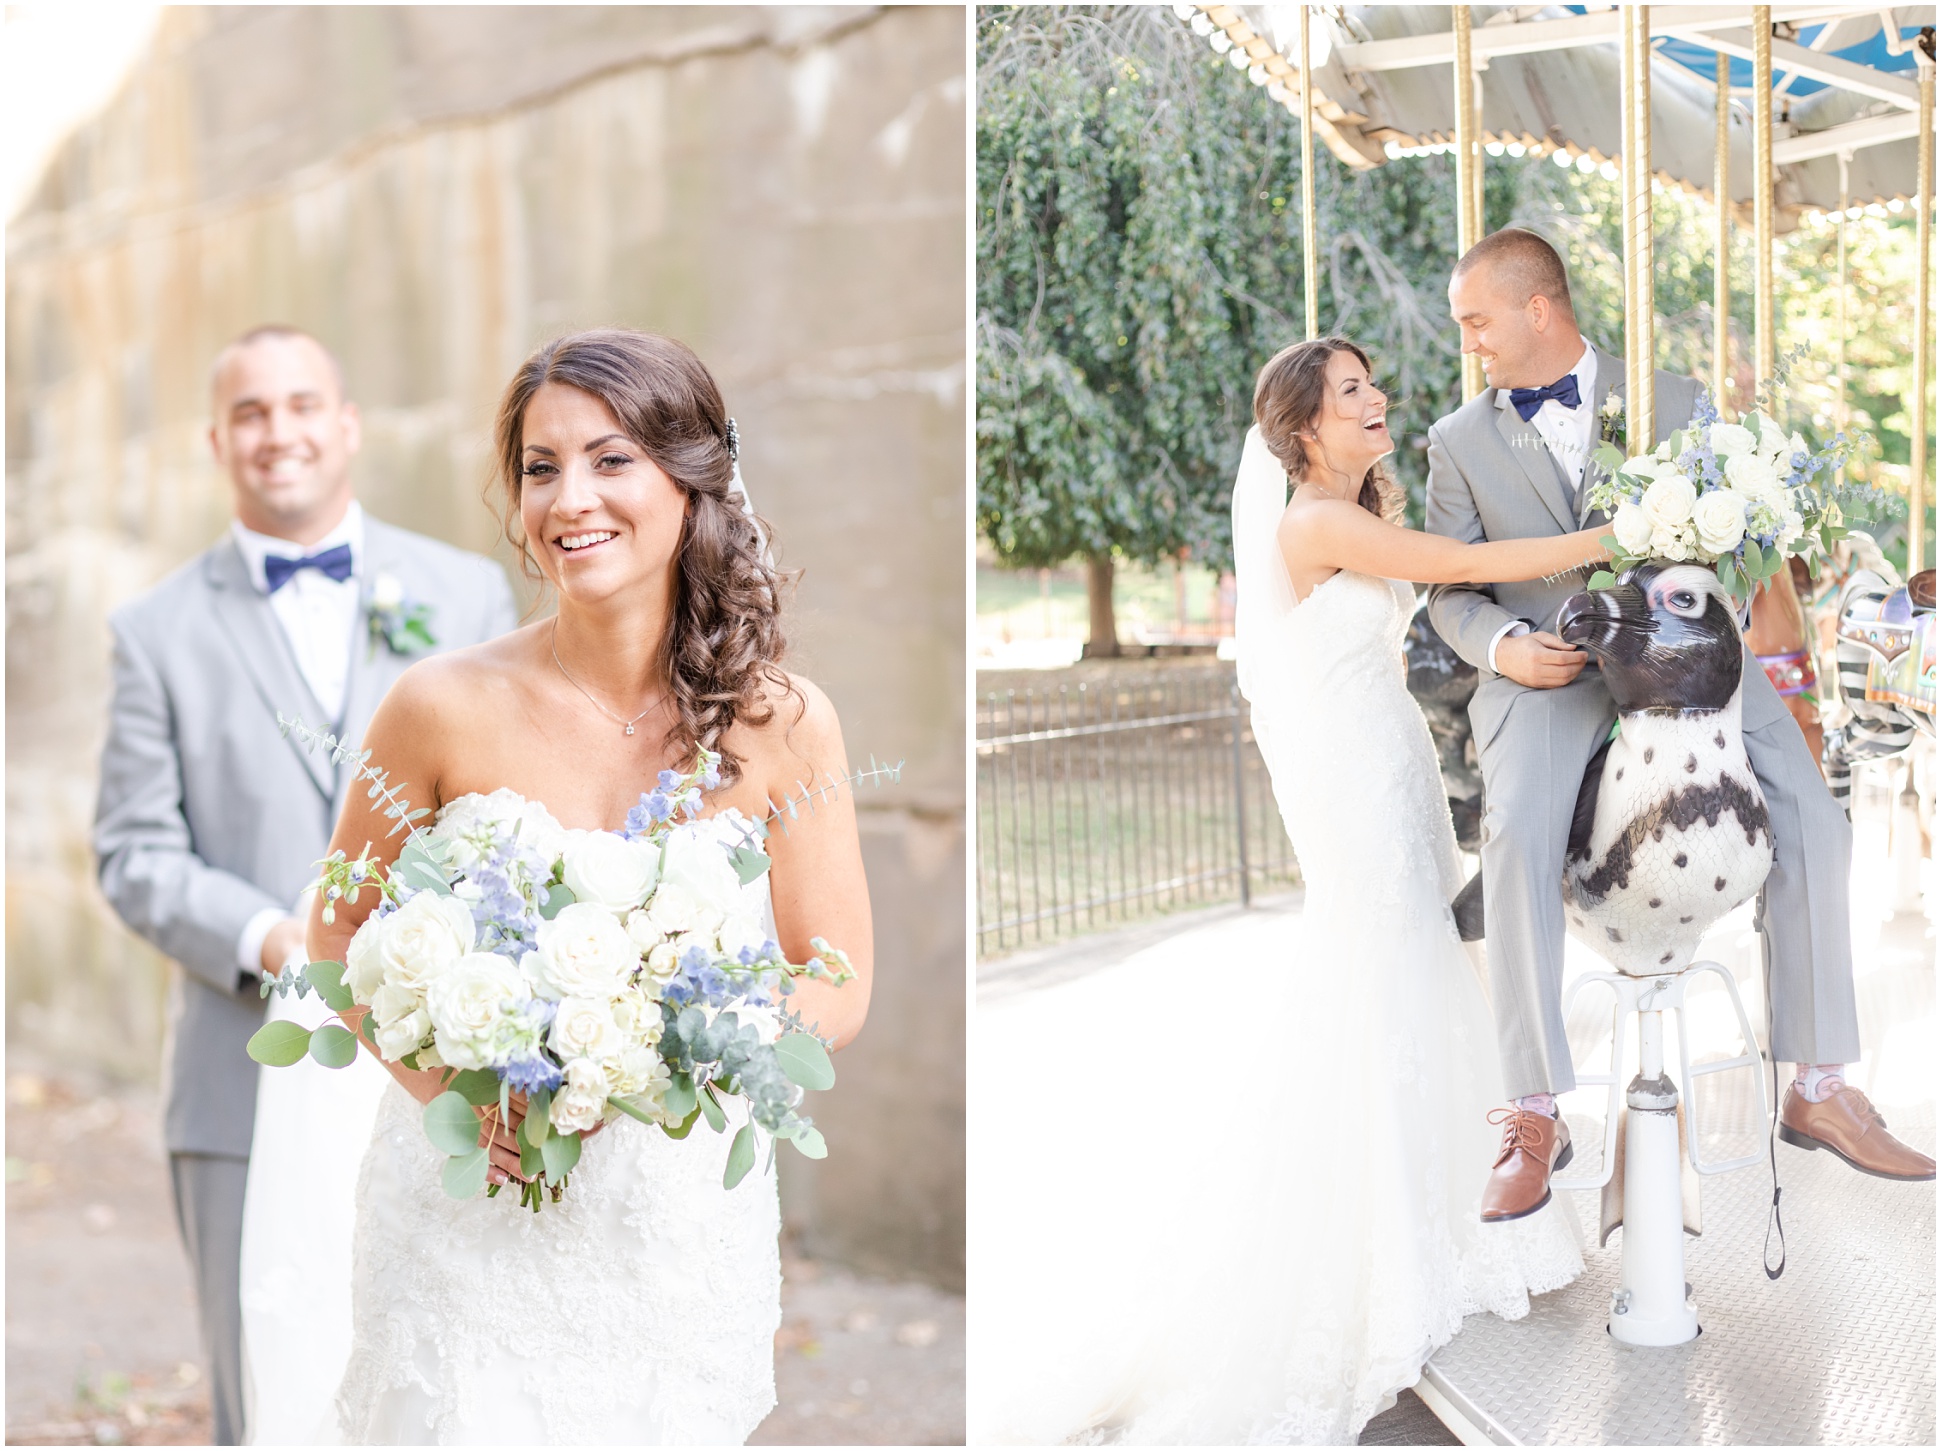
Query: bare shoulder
(801,735)
(453,687)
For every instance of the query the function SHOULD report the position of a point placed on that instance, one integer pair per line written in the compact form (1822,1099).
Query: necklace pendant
(630,728)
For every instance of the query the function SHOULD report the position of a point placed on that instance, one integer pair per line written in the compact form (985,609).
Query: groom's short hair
(1525,263)
(267,330)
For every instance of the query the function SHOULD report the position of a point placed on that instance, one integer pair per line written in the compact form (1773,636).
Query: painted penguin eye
(1684,599)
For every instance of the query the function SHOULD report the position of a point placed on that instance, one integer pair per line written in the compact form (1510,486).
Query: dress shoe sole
(1790,1135)
(1562,1159)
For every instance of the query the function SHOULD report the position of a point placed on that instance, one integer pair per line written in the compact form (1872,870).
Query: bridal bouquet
(1737,496)
(598,973)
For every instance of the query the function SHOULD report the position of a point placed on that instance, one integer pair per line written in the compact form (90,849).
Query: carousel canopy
(1843,81)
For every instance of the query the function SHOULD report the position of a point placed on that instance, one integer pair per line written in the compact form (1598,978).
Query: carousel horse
(1442,682)
(1885,648)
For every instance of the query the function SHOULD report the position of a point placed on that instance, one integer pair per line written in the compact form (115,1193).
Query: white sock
(1543,1103)
(1811,1080)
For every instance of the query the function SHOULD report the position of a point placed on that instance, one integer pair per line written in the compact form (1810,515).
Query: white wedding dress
(640,1310)
(1295,1157)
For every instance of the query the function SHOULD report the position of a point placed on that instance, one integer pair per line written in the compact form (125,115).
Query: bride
(642,1308)
(1311,1236)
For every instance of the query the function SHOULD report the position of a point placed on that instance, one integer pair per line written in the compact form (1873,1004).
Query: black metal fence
(1112,791)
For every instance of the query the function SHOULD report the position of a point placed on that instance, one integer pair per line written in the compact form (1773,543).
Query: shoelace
(1521,1130)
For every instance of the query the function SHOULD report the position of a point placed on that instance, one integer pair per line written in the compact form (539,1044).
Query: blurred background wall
(433,191)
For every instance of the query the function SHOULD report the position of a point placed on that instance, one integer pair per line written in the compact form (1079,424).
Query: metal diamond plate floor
(1839,1351)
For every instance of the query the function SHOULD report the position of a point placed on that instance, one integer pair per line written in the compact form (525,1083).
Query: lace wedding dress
(639,1310)
(1305,1188)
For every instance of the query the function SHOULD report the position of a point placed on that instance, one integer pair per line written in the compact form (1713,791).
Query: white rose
(466,1004)
(533,824)
(391,1002)
(609,871)
(584,1028)
(579,1102)
(1668,501)
(638,1016)
(1750,474)
(663,962)
(1730,440)
(423,938)
(697,859)
(386,592)
(583,953)
(1720,518)
(401,1036)
(646,936)
(1648,468)
(1791,526)
(1670,544)
(1773,443)
(637,1073)
(363,967)
(1632,526)
(675,909)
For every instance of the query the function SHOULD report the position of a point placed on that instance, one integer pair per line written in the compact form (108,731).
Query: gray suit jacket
(207,815)
(1492,477)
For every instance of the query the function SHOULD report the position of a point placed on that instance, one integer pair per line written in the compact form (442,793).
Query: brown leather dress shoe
(1845,1122)
(1534,1146)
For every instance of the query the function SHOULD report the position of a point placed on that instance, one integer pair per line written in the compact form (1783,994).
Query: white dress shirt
(319,617)
(1568,433)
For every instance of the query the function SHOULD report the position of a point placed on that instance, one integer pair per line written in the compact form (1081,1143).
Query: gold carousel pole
(1840,414)
(1917,470)
(1762,191)
(1639,341)
(1722,260)
(1469,229)
(1309,251)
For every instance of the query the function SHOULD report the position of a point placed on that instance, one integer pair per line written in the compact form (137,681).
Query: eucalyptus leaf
(279,1044)
(478,1086)
(450,1124)
(1606,456)
(741,1157)
(560,1152)
(417,867)
(1755,560)
(531,1163)
(334,1047)
(464,1174)
(679,1099)
(808,1140)
(805,1061)
(685,1127)
(1603,579)
(538,1118)
(711,1109)
(749,864)
(558,898)
(633,1110)
(328,979)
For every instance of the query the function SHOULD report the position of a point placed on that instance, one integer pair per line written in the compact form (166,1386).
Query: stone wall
(434,191)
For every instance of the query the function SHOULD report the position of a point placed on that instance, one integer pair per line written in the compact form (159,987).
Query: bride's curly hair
(724,642)
(1288,396)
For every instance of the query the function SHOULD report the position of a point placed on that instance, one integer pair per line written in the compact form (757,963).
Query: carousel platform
(1839,1351)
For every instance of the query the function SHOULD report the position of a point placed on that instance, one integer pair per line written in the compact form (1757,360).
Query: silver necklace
(628,725)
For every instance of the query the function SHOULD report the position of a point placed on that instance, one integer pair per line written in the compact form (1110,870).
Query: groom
(209,824)
(1510,464)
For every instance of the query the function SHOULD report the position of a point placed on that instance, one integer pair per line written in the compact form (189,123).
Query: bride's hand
(499,1136)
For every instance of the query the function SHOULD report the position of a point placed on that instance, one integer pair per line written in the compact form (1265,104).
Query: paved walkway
(101,1333)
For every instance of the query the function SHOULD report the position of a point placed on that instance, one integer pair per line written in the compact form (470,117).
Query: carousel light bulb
(1220,41)
(1493,148)
(1280,96)
(1560,156)
(1201,25)
(1239,59)
(1392,150)
(1186,12)
(1586,164)
(1516,148)
(1876,210)
(1257,73)
(1895,205)
(1608,170)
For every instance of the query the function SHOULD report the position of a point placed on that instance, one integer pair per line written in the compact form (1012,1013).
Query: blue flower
(669,780)
(529,1075)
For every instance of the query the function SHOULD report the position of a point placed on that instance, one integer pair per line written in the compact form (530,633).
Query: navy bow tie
(277,571)
(1526,401)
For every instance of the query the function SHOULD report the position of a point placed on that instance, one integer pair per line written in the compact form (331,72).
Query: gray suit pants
(209,1212)
(1531,771)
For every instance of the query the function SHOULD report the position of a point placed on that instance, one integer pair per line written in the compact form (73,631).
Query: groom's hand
(1539,660)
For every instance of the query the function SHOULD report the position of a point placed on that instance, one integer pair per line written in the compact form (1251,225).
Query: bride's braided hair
(724,642)
(1287,401)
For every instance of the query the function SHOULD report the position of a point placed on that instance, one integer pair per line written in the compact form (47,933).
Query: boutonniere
(1610,420)
(396,620)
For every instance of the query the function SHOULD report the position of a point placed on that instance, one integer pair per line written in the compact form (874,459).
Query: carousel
(1735,1293)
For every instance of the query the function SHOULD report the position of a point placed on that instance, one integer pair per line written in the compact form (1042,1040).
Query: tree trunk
(1104,643)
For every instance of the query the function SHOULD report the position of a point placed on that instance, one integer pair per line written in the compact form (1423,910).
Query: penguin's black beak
(1583,620)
